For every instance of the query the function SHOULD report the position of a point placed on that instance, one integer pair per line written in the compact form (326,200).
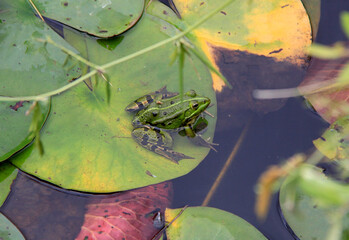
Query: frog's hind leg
(157,141)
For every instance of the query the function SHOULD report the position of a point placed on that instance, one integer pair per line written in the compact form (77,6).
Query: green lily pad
(88,143)
(14,126)
(208,223)
(8,231)
(309,220)
(8,174)
(102,18)
(334,143)
(28,66)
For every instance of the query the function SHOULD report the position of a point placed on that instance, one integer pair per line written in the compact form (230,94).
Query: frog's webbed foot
(170,154)
(199,140)
(157,141)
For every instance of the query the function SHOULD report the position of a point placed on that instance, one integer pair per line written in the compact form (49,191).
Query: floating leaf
(309,220)
(334,143)
(279,29)
(7,174)
(14,126)
(8,231)
(28,66)
(96,151)
(332,103)
(102,18)
(126,215)
(206,223)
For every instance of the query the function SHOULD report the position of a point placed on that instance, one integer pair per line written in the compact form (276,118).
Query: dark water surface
(45,212)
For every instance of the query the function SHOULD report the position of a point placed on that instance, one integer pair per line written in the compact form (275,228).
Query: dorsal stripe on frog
(163,111)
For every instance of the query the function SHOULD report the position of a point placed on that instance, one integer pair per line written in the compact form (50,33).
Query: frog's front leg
(157,141)
(192,131)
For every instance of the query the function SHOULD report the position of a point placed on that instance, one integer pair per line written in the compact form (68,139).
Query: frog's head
(196,106)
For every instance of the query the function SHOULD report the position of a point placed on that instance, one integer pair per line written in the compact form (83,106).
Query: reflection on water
(45,212)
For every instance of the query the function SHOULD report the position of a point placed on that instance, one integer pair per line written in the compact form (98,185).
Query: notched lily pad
(29,66)
(96,150)
(14,126)
(102,18)
(208,224)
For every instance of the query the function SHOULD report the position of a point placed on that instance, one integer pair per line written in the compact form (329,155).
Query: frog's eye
(194,105)
(155,114)
(191,93)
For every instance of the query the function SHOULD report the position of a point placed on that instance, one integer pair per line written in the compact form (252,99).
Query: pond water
(42,211)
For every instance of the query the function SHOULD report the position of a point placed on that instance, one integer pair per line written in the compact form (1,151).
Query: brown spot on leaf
(65,4)
(285,5)
(202,3)
(276,51)
(165,12)
(17,105)
(103,31)
(224,13)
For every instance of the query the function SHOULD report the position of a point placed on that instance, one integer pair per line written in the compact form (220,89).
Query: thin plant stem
(36,10)
(226,166)
(174,219)
(117,61)
(73,54)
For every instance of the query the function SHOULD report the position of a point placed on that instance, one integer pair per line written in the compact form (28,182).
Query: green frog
(161,113)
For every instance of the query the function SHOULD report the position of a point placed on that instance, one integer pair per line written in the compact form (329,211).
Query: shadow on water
(45,212)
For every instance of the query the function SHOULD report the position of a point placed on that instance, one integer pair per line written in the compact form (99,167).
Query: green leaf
(334,143)
(309,220)
(325,52)
(206,223)
(28,66)
(8,174)
(88,143)
(8,231)
(103,18)
(14,126)
(345,22)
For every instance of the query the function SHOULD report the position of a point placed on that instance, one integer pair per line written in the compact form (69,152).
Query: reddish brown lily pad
(331,104)
(127,215)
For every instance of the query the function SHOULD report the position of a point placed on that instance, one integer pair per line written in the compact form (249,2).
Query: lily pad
(28,66)
(277,29)
(334,143)
(14,126)
(8,174)
(208,223)
(8,231)
(88,143)
(102,18)
(127,215)
(307,220)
